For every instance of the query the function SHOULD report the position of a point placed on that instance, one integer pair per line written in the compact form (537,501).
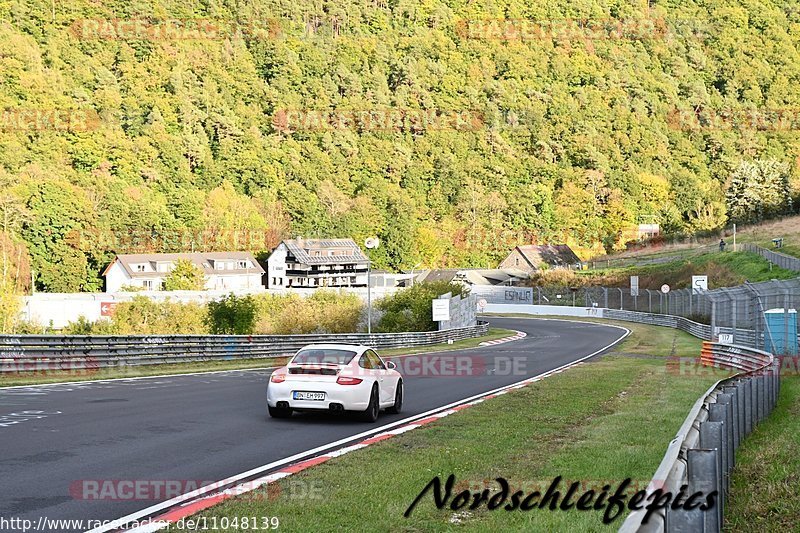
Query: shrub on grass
(410,309)
(324,311)
(232,315)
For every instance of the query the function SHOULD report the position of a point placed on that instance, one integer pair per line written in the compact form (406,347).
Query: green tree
(232,315)
(185,276)
(410,309)
(758,190)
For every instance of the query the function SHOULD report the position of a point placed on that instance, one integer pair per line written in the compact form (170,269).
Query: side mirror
(390,365)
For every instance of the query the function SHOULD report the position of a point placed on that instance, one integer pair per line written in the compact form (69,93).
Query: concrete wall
(560,310)
(59,309)
(463,312)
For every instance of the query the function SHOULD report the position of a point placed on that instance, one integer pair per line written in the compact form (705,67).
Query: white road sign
(665,288)
(699,284)
(634,285)
(440,309)
(482,303)
(726,338)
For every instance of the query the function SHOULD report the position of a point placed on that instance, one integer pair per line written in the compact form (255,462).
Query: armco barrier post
(737,436)
(718,413)
(756,406)
(724,410)
(749,407)
(703,476)
(712,437)
(680,521)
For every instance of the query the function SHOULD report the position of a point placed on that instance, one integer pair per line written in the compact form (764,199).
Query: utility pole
(370,244)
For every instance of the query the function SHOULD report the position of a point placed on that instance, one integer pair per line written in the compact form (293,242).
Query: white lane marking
(23,416)
(109,380)
(440,412)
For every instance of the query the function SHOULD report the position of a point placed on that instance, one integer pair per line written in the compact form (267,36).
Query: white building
(222,270)
(317,263)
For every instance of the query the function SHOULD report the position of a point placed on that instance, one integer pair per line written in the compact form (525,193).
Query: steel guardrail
(703,451)
(21,353)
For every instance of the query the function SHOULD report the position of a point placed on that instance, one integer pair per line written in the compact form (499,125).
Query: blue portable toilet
(782,327)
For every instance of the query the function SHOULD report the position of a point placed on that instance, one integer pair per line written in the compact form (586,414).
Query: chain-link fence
(759,315)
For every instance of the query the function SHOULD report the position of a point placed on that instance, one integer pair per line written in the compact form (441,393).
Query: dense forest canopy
(215,124)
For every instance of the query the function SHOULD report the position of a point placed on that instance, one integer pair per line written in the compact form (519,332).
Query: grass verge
(56,376)
(598,423)
(767,472)
(724,269)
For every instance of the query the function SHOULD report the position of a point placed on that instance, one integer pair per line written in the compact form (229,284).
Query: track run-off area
(107,449)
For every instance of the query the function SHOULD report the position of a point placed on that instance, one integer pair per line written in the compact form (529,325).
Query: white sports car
(335,378)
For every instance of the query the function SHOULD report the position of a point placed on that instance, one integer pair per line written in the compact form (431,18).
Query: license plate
(303,395)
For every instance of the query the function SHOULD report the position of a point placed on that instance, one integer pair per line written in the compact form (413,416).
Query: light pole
(412,273)
(370,244)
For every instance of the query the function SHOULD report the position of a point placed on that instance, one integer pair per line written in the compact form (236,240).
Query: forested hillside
(186,134)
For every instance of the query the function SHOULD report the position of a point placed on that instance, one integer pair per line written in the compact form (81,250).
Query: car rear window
(323,355)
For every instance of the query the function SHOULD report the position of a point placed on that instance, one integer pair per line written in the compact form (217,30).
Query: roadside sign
(726,338)
(665,288)
(440,309)
(107,308)
(699,284)
(634,285)
(482,303)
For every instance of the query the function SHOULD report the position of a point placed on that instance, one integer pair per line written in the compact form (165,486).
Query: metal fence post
(605,295)
(620,298)
(713,319)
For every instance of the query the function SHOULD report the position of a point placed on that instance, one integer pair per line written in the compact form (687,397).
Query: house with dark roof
(530,257)
(317,263)
(222,270)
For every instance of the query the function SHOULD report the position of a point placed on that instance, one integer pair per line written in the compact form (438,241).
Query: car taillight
(345,380)
(278,378)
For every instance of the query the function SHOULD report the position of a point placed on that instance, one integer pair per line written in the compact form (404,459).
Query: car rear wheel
(398,399)
(278,412)
(371,413)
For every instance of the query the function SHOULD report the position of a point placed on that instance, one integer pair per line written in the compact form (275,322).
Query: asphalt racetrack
(198,429)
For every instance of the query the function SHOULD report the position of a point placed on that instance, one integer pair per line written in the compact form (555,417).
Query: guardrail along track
(32,352)
(703,453)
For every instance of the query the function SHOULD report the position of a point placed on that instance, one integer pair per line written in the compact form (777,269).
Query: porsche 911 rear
(307,388)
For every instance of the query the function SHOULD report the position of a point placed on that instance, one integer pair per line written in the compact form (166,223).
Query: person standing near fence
(722,245)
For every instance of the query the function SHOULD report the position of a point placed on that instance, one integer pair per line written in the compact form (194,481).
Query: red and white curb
(519,335)
(201,499)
